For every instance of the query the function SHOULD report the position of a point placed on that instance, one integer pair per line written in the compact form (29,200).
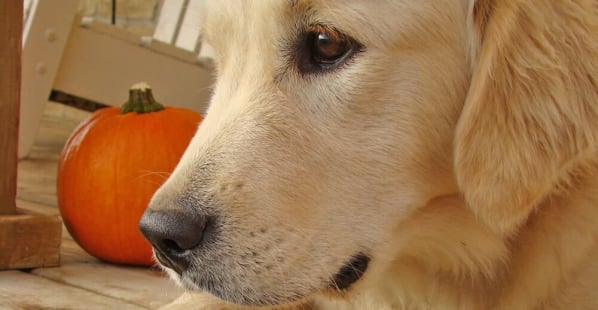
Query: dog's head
(332,121)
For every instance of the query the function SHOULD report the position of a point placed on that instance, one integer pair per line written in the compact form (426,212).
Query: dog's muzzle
(174,234)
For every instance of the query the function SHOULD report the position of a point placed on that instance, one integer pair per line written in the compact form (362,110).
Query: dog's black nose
(173,233)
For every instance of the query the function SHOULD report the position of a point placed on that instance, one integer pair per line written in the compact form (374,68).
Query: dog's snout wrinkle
(173,234)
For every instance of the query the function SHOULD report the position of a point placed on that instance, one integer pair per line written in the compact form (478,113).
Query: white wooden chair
(99,62)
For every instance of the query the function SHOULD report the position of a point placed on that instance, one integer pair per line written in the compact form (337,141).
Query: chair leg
(45,36)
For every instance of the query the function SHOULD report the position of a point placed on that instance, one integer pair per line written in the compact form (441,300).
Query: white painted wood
(46,34)
(27,5)
(188,36)
(19,290)
(168,21)
(101,63)
(206,51)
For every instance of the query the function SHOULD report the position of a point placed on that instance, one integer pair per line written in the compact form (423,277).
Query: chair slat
(188,36)
(168,23)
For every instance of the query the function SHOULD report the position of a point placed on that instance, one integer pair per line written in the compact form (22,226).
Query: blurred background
(79,56)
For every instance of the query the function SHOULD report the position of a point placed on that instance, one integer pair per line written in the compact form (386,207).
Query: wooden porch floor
(81,282)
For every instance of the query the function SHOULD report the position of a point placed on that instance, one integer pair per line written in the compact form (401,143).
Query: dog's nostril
(172,246)
(173,230)
(173,233)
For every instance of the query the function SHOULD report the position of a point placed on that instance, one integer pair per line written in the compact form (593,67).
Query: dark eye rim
(308,63)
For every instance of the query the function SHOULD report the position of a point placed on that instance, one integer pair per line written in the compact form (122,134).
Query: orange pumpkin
(111,166)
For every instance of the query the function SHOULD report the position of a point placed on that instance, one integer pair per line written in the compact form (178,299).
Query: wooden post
(26,240)
(10,77)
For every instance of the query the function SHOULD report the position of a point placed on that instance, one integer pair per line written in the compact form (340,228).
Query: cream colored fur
(458,151)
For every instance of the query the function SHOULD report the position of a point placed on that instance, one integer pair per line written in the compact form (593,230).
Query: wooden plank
(168,21)
(19,290)
(167,50)
(189,37)
(102,68)
(47,34)
(29,240)
(11,25)
(56,125)
(28,7)
(145,287)
(72,253)
(37,181)
(37,207)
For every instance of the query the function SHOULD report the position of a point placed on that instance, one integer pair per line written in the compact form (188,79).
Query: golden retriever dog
(391,154)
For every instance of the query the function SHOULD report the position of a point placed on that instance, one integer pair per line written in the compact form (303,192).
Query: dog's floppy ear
(530,119)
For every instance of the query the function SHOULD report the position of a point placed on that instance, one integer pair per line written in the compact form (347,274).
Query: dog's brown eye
(326,48)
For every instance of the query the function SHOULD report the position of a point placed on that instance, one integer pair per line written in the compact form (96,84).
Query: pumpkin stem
(141,100)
